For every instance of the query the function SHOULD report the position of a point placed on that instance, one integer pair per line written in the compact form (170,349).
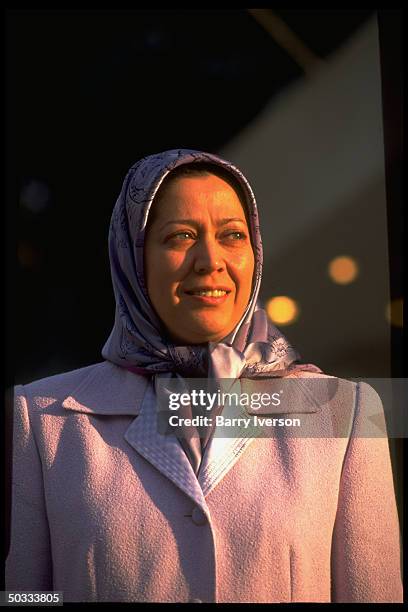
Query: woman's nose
(208,257)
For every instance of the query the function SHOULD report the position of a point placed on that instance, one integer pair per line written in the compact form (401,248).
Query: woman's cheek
(170,261)
(242,262)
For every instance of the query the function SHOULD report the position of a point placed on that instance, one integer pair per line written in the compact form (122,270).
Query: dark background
(89,92)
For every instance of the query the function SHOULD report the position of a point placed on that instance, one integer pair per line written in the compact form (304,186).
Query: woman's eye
(183,236)
(236,236)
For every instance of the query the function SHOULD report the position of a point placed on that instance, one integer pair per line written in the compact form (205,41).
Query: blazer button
(198,516)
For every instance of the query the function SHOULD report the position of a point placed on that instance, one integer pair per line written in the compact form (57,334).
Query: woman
(105,508)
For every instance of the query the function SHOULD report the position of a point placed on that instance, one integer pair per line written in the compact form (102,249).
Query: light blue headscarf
(138,341)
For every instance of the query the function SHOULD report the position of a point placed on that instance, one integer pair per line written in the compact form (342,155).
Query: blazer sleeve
(29,562)
(365,556)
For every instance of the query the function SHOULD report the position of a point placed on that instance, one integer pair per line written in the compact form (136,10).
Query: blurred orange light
(343,270)
(27,255)
(394,312)
(282,310)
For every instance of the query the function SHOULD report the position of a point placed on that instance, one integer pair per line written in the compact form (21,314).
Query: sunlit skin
(199,240)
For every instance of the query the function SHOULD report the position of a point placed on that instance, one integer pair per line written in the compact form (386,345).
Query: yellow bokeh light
(394,312)
(343,270)
(282,310)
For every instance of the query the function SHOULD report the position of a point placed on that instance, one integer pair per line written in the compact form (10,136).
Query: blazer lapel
(163,451)
(112,391)
(222,453)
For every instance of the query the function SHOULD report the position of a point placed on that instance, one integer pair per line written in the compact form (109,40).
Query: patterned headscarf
(138,341)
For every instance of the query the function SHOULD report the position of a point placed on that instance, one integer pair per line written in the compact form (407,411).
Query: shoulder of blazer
(327,391)
(101,388)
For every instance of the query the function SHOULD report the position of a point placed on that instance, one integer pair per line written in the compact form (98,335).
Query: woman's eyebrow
(225,221)
(195,222)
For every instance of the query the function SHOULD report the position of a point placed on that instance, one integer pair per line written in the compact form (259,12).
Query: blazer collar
(108,389)
(111,390)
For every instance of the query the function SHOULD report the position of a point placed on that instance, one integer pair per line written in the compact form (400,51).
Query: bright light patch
(282,310)
(343,270)
(394,312)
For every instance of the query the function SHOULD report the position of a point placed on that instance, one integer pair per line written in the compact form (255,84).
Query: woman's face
(199,260)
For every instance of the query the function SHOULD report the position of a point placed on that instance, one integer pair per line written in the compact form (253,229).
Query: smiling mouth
(213,293)
(204,292)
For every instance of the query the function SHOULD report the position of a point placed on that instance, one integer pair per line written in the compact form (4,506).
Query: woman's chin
(200,332)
